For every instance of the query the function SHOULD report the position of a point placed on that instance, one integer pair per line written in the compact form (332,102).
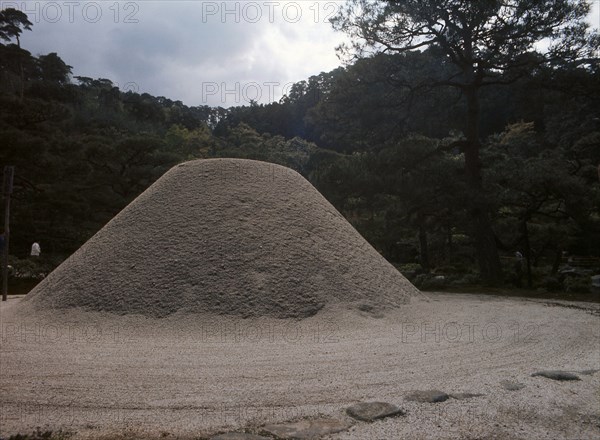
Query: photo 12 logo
(243,93)
(71,12)
(256,12)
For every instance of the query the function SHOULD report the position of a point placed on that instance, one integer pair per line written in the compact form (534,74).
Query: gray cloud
(184,49)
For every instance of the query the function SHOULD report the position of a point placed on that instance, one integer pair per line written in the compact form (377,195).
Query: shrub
(578,285)
(435,282)
(29,268)
(469,279)
(410,270)
(551,284)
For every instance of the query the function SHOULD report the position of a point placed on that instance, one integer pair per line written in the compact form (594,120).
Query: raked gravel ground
(104,376)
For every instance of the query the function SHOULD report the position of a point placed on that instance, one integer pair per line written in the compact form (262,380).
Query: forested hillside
(385,147)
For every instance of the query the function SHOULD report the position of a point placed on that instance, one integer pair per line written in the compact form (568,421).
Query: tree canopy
(385,138)
(485,43)
(12,24)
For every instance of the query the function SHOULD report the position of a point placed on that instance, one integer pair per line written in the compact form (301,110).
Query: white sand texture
(232,298)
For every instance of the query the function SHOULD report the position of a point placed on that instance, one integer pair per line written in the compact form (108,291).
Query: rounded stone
(556,375)
(306,429)
(370,411)
(465,396)
(428,396)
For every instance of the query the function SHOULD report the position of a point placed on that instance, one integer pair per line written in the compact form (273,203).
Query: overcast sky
(200,52)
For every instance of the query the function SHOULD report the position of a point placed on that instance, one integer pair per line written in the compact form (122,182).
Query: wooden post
(7,187)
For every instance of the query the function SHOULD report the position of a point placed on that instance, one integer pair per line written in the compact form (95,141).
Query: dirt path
(100,375)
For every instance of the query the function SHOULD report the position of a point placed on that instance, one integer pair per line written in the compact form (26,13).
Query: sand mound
(225,236)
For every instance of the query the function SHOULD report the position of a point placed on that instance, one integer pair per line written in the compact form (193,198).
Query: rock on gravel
(465,396)
(428,396)
(307,429)
(225,237)
(370,411)
(556,375)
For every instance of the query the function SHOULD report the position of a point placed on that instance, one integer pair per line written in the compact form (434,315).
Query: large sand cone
(225,236)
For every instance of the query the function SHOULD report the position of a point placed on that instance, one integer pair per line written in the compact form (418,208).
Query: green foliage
(187,143)
(546,198)
(491,35)
(578,285)
(244,142)
(53,69)
(32,268)
(484,43)
(12,24)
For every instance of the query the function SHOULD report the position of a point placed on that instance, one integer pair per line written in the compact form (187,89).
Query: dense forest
(384,145)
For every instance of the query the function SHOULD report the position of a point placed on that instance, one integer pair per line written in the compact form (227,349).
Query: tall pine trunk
(21,71)
(485,241)
(423,246)
(527,250)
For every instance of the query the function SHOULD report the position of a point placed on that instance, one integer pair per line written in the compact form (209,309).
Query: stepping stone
(370,411)
(429,396)
(512,386)
(465,396)
(556,375)
(306,429)
(238,436)
(589,372)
